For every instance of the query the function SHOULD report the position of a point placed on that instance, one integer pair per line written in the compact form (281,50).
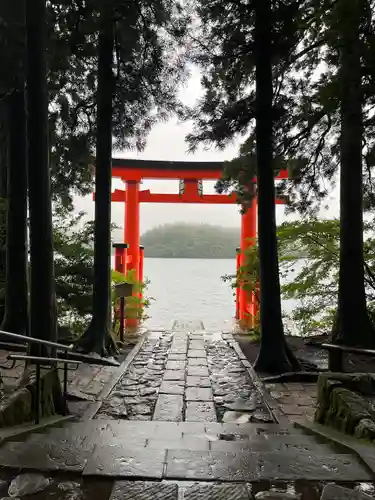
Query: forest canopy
(191,241)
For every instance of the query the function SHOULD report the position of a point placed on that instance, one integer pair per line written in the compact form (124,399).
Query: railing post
(66,384)
(37,393)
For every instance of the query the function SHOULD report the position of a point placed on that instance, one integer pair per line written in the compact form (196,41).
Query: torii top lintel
(136,170)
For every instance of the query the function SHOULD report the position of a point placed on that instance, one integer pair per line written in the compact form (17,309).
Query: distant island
(191,241)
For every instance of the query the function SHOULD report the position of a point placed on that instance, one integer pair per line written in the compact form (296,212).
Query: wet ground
(182,375)
(184,422)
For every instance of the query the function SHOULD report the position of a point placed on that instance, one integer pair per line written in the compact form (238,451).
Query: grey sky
(167,142)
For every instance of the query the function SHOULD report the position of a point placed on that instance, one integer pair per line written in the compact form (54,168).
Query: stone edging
(363,452)
(115,378)
(272,406)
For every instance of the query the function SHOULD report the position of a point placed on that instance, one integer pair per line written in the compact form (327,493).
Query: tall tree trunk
(16,285)
(43,322)
(3,200)
(98,334)
(274,355)
(352,325)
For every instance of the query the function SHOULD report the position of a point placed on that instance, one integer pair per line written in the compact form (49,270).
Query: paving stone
(169,407)
(200,412)
(175,365)
(217,492)
(193,381)
(40,456)
(203,465)
(174,375)
(144,490)
(197,362)
(336,492)
(197,371)
(196,345)
(198,394)
(120,461)
(194,353)
(187,442)
(172,387)
(312,467)
(276,494)
(176,357)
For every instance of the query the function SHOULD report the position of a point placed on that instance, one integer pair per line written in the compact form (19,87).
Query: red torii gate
(129,256)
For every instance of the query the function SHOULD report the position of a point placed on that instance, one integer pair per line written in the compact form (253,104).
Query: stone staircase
(243,458)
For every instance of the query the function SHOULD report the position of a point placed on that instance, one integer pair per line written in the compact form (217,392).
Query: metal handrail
(33,340)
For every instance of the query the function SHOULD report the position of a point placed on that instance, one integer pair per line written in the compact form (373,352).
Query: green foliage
(309,266)
(191,241)
(73,242)
(138,302)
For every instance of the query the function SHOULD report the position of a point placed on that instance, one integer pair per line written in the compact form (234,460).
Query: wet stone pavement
(185,422)
(186,376)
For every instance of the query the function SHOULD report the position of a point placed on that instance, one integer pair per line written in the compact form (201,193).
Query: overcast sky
(167,142)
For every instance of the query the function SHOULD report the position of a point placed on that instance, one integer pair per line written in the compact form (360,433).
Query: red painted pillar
(238,260)
(120,256)
(248,238)
(132,232)
(141,260)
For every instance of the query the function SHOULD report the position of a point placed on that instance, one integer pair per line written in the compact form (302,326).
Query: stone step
(157,461)
(184,441)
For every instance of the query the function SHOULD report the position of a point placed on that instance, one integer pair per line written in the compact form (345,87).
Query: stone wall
(343,403)
(19,407)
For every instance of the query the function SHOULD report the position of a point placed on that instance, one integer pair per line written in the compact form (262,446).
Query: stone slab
(143,490)
(196,345)
(176,357)
(312,467)
(203,465)
(197,371)
(51,456)
(172,387)
(169,408)
(197,362)
(187,442)
(200,412)
(120,461)
(174,375)
(196,353)
(198,394)
(175,365)
(216,492)
(336,492)
(195,381)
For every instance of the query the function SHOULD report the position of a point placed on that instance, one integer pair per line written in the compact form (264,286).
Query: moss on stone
(365,429)
(340,404)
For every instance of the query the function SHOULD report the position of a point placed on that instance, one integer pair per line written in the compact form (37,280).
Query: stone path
(186,421)
(187,376)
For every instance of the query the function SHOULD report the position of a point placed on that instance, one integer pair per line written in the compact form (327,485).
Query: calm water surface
(190,290)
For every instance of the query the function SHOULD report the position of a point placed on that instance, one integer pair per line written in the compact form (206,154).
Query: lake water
(190,290)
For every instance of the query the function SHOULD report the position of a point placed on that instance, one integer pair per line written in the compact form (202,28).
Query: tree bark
(352,324)
(43,323)
(97,336)
(274,355)
(16,284)
(3,200)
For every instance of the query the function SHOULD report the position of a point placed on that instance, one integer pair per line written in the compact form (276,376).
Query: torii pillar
(132,229)
(248,307)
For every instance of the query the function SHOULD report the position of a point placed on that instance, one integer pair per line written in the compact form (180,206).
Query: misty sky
(167,142)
